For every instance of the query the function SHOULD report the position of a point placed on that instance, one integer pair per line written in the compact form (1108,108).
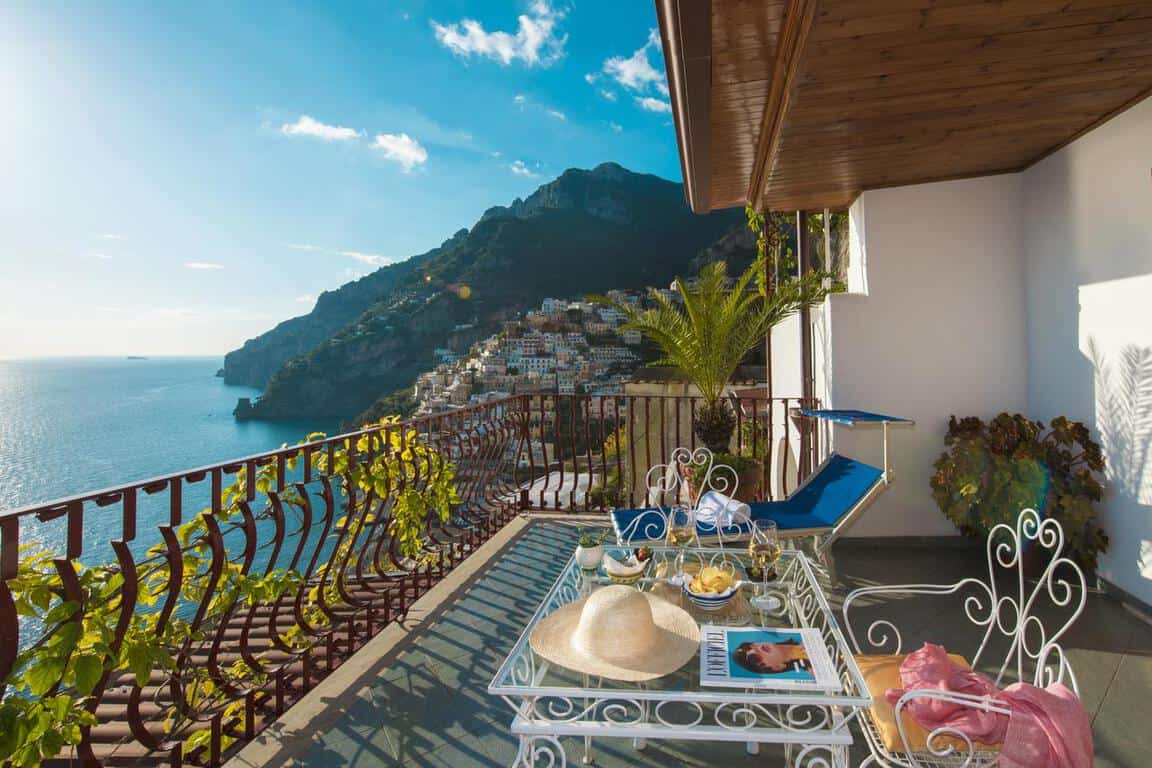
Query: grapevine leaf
(88,670)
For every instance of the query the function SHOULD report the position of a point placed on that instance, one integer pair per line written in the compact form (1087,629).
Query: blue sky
(178,177)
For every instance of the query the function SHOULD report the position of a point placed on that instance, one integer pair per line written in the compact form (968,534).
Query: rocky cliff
(585,232)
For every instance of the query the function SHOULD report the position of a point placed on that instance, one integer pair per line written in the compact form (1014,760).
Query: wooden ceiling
(822,99)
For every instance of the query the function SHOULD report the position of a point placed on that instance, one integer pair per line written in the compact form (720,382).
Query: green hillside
(585,232)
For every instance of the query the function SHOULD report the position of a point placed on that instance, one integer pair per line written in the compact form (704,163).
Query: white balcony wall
(1027,292)
(1088,261)
(940,331)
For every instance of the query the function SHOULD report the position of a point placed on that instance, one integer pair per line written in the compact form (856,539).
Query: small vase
(589,558)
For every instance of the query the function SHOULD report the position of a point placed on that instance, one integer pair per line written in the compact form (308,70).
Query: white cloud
(307,298)
(497,153)
(536,41)
(520,169)
(616,127)
(371,259)
(557,114)
(113,237)
(650,104)
(519,100)
(591,78)
(307,126)
(402,148)
(203,265)
(636,72)
(102,256)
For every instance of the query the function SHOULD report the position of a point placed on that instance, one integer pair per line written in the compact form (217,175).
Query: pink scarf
(1048,727)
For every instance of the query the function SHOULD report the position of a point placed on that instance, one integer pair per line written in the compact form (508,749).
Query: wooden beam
(789,51)
(686,37)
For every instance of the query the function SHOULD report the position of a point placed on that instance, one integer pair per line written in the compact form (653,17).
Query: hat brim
(677,633)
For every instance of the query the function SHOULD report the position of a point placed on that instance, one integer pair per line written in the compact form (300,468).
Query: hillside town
(568,346)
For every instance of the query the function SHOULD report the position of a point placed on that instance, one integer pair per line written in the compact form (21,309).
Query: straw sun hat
(619,633)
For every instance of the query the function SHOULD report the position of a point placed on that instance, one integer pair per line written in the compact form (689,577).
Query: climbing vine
(89,629)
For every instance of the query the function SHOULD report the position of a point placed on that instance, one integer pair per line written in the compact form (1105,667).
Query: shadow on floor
(426,704)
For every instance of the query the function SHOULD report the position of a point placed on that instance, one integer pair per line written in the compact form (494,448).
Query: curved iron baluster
(483,443)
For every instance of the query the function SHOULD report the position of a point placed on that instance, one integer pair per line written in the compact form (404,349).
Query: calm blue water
(77,425)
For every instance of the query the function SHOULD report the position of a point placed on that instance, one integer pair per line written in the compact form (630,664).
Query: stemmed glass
(764,549)
(681,533)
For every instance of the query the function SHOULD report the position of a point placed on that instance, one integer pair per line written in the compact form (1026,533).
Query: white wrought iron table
(550,702)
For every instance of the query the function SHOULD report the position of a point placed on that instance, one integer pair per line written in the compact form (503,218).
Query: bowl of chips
(711,588)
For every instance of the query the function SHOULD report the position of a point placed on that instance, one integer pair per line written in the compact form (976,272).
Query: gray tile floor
(426,704)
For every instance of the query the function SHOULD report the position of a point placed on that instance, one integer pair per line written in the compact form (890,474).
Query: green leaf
(140,663)
(50,743)
(62,612)
(41,598)
(60,705)
(43,674)
(88,669)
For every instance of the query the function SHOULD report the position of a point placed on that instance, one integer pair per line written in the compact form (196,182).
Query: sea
(70,426)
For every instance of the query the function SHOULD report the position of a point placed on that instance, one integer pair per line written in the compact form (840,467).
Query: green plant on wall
(990,472)
(48,693)
(609,490)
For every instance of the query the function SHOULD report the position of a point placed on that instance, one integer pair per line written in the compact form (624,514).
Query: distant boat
(136,357)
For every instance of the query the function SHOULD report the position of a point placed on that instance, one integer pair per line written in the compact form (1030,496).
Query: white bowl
(711,602)
(628,571)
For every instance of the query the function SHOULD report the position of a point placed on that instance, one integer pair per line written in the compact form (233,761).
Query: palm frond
(717,326)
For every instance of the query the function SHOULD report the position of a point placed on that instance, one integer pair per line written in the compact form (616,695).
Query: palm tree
(716,327)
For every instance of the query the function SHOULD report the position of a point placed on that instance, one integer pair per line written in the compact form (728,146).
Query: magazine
(765,657)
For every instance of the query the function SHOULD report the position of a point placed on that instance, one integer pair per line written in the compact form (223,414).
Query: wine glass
(681,533)
(764,549)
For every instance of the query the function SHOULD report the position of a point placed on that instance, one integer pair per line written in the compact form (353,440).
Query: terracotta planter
(747,489)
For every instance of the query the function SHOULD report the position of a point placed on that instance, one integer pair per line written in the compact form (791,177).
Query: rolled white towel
(717,510)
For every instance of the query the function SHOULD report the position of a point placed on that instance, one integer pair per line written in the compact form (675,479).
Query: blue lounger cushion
(830,494)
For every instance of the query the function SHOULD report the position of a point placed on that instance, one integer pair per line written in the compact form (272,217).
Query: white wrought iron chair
(667,487)
(1034,652)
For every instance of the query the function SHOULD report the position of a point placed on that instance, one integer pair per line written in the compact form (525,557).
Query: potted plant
(990,472)
(713,327)
(747,472)
(590,548)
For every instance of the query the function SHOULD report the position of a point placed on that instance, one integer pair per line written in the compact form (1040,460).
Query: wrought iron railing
(592,452)
(212,599)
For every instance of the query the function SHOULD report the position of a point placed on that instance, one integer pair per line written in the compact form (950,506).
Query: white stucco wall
(940,331)
(1088,260)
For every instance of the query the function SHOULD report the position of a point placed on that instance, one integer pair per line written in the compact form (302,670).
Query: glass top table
(550,702)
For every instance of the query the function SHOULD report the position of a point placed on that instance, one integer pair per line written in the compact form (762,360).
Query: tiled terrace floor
(423,702)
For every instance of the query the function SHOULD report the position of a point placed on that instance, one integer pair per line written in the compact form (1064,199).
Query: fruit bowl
(627,571)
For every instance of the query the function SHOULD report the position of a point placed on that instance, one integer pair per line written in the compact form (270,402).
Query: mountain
(587,231)
(259,358)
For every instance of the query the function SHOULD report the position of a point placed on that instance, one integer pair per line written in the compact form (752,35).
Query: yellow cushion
(882,672)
